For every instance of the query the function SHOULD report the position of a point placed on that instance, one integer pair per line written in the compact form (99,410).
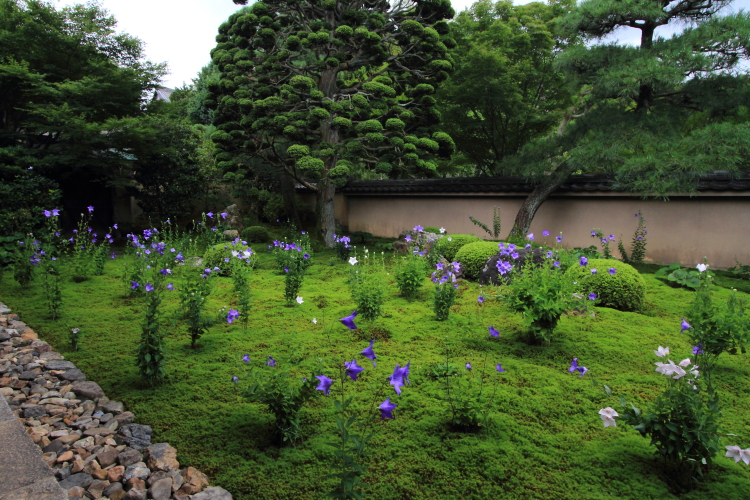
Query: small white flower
(352,260)
(685,362)
(609,422)
(608,412)
(701,267)
(299,300)
(450,239)
(366,250)
(662,351)
(315,321)
(442,230)
(733,452)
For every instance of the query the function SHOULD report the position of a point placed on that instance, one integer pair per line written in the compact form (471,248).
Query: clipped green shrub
(432,229)
(448,245)
(625,290)
(472,257)
(217,255)
(255,234)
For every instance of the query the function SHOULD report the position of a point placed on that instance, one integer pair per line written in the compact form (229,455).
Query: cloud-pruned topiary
(448,245)
(624,290)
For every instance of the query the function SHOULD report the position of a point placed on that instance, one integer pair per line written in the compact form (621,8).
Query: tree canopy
(66,78)
(324,88)
(658,115)
(505,90)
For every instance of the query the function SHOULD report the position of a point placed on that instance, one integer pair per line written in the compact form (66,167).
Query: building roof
(162,94)
(716,181)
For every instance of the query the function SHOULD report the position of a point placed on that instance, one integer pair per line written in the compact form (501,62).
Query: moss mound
(472,257)
(448,245)
(255,234)
(625,290)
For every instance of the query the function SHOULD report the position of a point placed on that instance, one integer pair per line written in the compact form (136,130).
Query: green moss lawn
(545,439)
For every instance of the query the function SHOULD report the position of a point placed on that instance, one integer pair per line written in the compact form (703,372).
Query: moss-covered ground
(545,439)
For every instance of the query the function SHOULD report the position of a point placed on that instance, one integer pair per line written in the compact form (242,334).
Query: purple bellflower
(368,352)
(574,367)
(233,315)
(353,369)
(612,271)
(246,358)
(499,368)
(493,332)
(271,361)
(149,287)
(324,385)
(685,325)
(386,409)
(349,321)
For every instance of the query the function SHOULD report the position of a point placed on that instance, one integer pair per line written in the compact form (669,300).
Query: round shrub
(255,234)
(624,291)
(216,256)
(448,245)
(472,256)
(432,229)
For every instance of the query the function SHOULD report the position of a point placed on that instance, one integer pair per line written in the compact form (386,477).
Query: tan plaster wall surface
(680,230)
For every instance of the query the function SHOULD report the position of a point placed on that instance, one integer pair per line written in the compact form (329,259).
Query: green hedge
(473,256)
(625,290)
(255,234)
(448,245)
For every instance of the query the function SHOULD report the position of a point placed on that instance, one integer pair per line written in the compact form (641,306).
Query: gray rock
(107,456)
(162,456)
(157,476)
(135,494)
(4,309)
(88,390)
(125,418)
(28,375)
(231,234)
(63,473)
(212,493)
(161,489)
(138,470)
(34,411)
(106,418)
(4,336)
(113,490)
(113,407)
(136,435)
(82,480)
(177,481)
(59,365)
(51,356)
(489,275)
(129,456)
(74,375)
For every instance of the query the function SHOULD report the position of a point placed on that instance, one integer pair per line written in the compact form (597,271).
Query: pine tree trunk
(540,193)
(326,220)
(290,202)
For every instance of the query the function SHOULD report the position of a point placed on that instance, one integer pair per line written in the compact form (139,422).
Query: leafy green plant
(74,336)
(194,294)
(542,295)
(446,288)
(739,270)
(717,328)
(25,259)
(606,253)
(468,403)
(683,422)
(683,277)
(367,284)
(638,247)
(283,392)
(221,254)
(410,275)
(241,281)
(495,233)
